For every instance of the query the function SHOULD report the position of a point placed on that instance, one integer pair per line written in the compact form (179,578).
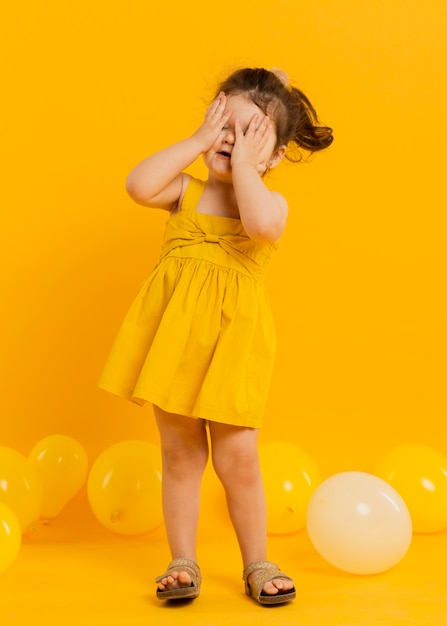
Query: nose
(229,136)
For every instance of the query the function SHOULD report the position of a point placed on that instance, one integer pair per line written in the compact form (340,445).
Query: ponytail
(309,134)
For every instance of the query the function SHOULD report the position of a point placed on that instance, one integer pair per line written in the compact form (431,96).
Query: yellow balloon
(10,537)
(124,487)
(20,487)
(62,465)
(290,477)
(419,474)
(359,523)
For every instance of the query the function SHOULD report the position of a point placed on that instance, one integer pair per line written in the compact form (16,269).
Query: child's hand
(249,147)
(216,118)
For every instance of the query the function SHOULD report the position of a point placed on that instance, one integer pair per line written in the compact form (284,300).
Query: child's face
(218,158)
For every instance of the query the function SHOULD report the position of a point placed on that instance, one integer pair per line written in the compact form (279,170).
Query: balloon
(20,487)
(62,465)
(290,476)
(124,487)
(359,523)
(10,537)
(419,474)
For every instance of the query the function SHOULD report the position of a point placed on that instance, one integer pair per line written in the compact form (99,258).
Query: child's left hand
(249,147)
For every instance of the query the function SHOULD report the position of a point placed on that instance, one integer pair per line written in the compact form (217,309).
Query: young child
(198,341)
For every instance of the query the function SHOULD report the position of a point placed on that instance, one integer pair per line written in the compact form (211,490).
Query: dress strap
(192,195)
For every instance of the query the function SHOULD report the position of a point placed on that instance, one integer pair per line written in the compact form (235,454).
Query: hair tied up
(295,118)
(281,76)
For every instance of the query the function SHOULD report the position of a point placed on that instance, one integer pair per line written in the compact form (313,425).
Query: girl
(198,341)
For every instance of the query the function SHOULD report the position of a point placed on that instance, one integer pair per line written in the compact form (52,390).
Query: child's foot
(181,580)
(265,583)
(175,580)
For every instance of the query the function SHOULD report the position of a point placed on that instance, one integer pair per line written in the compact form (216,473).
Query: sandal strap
(182,564)
(262,566)
(263,572)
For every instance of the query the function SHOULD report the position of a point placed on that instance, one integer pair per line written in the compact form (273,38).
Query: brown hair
(295,118)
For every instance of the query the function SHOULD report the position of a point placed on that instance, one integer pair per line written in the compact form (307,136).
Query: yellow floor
(76,572)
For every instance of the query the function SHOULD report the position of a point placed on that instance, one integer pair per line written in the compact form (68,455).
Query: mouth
(226,155)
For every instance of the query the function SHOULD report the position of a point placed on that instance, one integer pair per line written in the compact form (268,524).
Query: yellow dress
(199,338)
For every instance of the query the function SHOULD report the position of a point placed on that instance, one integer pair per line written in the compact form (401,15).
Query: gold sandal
(264,572)
(180,593)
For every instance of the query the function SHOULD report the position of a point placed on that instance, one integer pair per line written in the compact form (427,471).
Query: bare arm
(263,213)
(158,180)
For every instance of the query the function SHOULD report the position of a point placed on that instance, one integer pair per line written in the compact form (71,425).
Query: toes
(170,580)
(165,582)
(277,585)
(270,589)
(175,579)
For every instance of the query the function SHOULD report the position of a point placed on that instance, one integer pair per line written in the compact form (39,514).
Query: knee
(181,458)
(240,467)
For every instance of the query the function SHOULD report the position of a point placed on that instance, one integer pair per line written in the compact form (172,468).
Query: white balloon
(359,523)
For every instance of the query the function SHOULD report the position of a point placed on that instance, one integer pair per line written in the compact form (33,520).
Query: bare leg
(236,461)
(184,448)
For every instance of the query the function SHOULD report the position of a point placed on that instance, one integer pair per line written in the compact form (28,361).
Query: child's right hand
(216,118)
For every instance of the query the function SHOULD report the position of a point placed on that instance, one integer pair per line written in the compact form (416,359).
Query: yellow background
(88,88)
(358,287)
